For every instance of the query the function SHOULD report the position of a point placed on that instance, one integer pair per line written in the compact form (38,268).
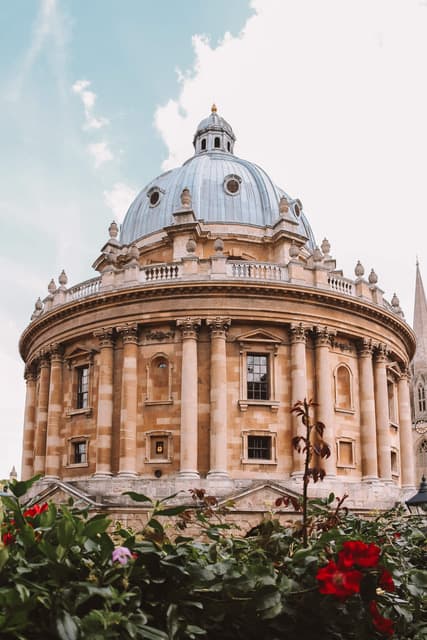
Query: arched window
(203,145)
(159,379)
(343,388)
(421,398)
(228,146)
(217,143)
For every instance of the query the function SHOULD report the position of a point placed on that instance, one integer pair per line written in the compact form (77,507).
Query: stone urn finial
(38,308)
(63,279)
(317,255)
(395,302)
(219,245)
(373,278)
(133,252)
(293,250)
(113,230)
(186,198)
(51,287)
(325,246)
(283,205)
(359,269)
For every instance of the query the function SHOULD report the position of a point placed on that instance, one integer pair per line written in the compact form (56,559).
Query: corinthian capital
(189,326)
(298,333)
(323,336)
(218,325)
(381,353)
(105,336)
(366,347)
(129,332)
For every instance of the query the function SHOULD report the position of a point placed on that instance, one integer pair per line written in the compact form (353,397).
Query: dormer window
(154,196)
(217,143)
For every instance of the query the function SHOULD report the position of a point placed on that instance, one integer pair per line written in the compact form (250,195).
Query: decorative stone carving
(51,287)
(366,347)
(113,230)
(133,253)
(191,246)
(317,255)
(323,336)
(56,351)
(298,333)
(373,278)
(189,326)
(219,245)
(381,352)
(359,269)
(105,336)
(186,198)
(218,325)
(283,205)
(129,332)
(293,250)
(38,309)
(326,247)
(63,279)
(160,335)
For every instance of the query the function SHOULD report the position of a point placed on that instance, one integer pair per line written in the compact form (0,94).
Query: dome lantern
(214,134)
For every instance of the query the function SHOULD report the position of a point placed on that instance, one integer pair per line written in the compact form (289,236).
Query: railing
(84,289)
(342,285)
(257,271)
(161,272)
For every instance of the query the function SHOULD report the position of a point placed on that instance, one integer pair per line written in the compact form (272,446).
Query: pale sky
(98,98)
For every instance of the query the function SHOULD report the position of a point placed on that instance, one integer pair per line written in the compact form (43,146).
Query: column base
(220,475)
(102,475)
(127,474)
(371,479)
(189,475)
(49,479)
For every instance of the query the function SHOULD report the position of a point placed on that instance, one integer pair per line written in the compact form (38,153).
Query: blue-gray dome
(223,187)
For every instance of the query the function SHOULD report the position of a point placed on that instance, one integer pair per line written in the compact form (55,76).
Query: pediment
(259,335)
(260,498)
(60,492)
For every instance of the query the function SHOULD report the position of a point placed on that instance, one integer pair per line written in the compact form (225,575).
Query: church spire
(420,322)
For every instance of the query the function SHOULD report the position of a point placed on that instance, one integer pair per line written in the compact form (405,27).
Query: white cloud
(327,97)
(119,199)
(100,152)
(88,98)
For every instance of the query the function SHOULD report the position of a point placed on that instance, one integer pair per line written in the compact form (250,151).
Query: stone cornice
(228,288)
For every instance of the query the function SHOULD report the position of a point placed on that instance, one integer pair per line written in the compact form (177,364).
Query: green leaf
(153,634)
(172,511)
(20,488)
(66,626)
(65,531)
(96,525)
(138,497)
(4,555)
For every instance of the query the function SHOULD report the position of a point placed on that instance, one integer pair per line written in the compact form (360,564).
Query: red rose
(356,552)
(32,512)
(7,538)
(381,624)
(386,581)
(338,582)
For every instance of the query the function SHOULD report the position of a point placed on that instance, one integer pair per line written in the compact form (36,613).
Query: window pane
(259,447)
(82,387)
(79,452)
(257,376)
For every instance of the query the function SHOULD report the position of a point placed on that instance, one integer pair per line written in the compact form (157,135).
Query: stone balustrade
(237,269)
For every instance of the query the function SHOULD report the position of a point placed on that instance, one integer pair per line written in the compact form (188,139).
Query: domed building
(212,313)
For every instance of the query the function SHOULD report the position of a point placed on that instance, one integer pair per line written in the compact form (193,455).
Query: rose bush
(66,575)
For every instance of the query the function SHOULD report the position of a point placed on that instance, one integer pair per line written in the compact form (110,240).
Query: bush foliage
(67,575)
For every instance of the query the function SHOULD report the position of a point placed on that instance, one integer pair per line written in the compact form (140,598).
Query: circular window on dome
(154,195)
(232,184)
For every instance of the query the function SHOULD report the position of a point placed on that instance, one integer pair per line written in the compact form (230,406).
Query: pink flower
(121,554)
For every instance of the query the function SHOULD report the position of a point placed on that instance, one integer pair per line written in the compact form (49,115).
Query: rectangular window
(346,453)
(257,378)
(82,387)
(158,446)
(259,447)
(79,452)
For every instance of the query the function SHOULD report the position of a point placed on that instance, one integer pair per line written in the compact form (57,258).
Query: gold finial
(214,108)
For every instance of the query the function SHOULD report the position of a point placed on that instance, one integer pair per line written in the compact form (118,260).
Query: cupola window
(203,145)
(217,143)
(232,185)
(154,195)
(228,146)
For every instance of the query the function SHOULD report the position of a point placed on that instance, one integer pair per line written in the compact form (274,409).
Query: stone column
(218,396)
(368,433)
(407,463)
(382,414)
(128,413)
(41,420)
(324,397)
(104,424)
(299,388)
(53,444)
(189,409)
(29,424)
